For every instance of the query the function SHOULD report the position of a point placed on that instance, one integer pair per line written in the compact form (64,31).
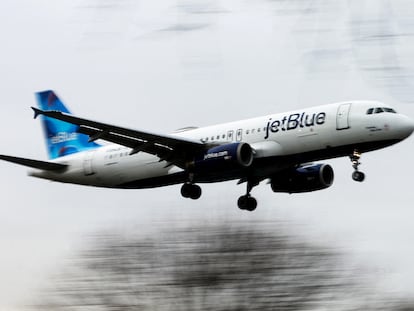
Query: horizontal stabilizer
(41,165)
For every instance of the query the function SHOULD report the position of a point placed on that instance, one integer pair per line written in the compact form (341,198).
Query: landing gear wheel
(247,203)
(242,202)
(195,192)
(358,176)
(191,191)
(186,190)
(251,204)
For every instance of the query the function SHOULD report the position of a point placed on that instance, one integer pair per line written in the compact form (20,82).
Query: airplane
(280,148)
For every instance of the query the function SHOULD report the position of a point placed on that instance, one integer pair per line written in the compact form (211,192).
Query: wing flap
(95,134)
(136,145)
(41,165)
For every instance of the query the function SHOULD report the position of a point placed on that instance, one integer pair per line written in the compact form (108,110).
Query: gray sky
(171,64)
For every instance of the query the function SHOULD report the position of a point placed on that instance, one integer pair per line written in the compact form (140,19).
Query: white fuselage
(281,139)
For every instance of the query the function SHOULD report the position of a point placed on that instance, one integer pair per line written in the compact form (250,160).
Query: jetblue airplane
(278,147)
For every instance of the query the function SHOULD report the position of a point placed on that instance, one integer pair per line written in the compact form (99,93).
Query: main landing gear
(247,202)
(190,190)
(356,175)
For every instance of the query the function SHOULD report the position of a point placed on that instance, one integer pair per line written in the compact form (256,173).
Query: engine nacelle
(225,157)
(303,179)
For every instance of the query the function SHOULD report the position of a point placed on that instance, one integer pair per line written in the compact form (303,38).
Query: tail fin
(62,138)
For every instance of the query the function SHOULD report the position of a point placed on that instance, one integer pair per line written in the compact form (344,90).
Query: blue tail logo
(62,138)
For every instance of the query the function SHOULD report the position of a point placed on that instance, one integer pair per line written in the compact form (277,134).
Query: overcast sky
(164,65)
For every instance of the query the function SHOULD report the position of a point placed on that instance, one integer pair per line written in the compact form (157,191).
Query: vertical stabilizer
(62,138)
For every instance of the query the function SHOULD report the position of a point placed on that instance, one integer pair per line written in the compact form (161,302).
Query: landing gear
(247,202)
(356,175)
(189,190)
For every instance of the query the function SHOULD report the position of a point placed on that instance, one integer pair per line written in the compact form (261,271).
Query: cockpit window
(380,110)
(389,110)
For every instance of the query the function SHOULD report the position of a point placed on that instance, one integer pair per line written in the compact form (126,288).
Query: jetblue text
(294,121)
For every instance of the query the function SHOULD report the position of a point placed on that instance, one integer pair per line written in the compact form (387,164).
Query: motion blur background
(168,64)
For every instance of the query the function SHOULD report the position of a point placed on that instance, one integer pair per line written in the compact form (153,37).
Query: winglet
(37,112)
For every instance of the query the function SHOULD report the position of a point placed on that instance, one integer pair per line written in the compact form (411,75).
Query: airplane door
(87,163)
(342,117)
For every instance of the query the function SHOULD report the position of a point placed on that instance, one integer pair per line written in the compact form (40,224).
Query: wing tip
(37,112)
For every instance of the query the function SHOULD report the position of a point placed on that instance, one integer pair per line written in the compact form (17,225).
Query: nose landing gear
(356,175)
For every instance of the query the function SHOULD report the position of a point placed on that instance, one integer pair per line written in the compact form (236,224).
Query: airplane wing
(41,165)
(169,148)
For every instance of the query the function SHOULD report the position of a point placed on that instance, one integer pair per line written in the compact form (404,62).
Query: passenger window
(218,137)
(370,110)
(223,136)
(258,130)
(247,131)
(252,131)
(239,135)
(230,135)
(212,137)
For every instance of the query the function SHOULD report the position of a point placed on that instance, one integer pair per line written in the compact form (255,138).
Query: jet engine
(225,157)
(303,179)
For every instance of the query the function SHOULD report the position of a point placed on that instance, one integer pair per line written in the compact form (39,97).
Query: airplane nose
(408,126)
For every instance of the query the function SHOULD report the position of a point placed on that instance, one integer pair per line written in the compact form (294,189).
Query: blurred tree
(211,267)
